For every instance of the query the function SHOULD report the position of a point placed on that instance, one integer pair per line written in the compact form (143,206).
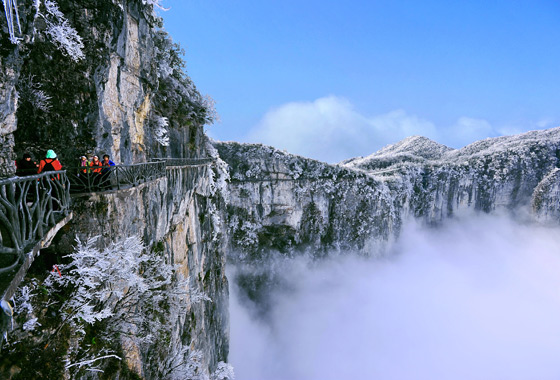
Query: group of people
(91,172)
(26,166)
(94,165)
(98,171)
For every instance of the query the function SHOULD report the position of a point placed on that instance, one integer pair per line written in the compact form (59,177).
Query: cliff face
(177,217)
(281,205)
(119,88)
(122,92)
(290,203)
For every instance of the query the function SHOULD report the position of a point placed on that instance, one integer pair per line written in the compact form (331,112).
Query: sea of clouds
(478,298)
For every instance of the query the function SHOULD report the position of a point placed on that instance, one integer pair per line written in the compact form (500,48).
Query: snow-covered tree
(63,35)
(125,286)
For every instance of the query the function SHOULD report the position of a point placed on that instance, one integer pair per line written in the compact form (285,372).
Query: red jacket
(96,165)
(55,163)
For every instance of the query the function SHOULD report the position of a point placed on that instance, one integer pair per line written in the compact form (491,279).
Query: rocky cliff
(96,77)
(287,203)
(281,205)
(100,76)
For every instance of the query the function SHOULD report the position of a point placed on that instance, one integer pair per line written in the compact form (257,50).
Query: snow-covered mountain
(287,203)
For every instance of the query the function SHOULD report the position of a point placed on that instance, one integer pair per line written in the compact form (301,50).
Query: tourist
(96,167)
(84,163)
(50,163)
(106,171)
(26,166)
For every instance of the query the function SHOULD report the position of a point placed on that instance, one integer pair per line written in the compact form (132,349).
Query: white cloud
(331,129)
(443,305)
(467,130)
(325,129)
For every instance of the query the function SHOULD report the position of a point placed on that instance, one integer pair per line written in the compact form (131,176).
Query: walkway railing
(185,161)
(86,179)
(29,208)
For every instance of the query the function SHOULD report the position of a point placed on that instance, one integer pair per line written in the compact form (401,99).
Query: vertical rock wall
(9,74)
(285,202)
(178,214)
(127,91)
(7,123)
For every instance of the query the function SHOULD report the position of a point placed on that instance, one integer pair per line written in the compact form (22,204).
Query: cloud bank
(478,299)
(330,129)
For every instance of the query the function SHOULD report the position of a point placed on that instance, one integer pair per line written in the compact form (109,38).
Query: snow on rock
(286,203)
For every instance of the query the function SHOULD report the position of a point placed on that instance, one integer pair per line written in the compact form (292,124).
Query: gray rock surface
(178,216)
(284,202)
(128,97)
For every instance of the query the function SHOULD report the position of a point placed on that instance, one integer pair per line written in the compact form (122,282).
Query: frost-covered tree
(125,287)
(63,35)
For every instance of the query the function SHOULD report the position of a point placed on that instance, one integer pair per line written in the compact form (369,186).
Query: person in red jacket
(96,167)
(50,163)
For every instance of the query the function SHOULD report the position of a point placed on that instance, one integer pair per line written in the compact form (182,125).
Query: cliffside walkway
(85,180)
(33,209)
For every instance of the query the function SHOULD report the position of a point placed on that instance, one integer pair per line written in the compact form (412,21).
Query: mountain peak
(413,148)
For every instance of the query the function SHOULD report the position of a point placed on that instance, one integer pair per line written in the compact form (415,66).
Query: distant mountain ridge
(288,202)
(421,149)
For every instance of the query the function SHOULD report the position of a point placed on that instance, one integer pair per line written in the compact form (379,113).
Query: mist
(478,298)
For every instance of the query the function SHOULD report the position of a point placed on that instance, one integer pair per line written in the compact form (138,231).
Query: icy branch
(65,37)
(88,362)
(11,11)
(155,4)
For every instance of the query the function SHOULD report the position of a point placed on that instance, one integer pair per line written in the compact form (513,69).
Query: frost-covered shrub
(223,372)
(187,365)
(63,35)
(125,287)
(161,131)
(31,91)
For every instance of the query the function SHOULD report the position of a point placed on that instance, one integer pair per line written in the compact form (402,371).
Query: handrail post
(117,170)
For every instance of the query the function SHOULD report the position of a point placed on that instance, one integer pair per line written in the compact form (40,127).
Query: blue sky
(333,80)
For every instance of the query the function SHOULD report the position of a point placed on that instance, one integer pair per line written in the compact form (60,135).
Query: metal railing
(185,161)
(87,179)
(29,207)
